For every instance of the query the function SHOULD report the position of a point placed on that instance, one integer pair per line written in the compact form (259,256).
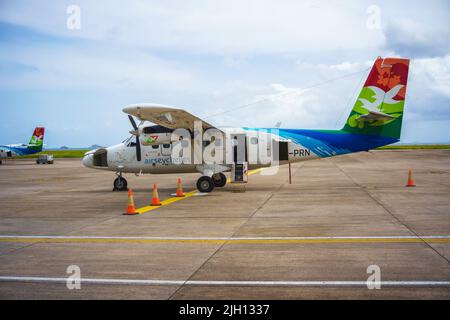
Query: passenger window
(254,140)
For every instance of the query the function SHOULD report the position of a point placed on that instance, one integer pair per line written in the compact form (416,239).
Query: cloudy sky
(297,62)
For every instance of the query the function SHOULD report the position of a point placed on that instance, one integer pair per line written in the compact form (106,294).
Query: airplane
(375,120)
(20,149)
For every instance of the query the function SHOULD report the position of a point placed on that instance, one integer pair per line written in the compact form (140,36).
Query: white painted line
(93,281)
(220,238)
(229,283)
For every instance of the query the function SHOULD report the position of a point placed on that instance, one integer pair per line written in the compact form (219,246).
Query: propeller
(135,132)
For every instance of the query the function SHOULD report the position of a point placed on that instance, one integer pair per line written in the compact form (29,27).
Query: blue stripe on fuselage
(332,142)
(20,151)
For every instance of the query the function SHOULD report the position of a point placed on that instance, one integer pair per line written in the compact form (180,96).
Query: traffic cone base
(155,198)
(131,210)
(410,182)
(179,189)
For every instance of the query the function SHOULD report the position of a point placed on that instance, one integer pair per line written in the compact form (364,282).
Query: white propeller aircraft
(179,142)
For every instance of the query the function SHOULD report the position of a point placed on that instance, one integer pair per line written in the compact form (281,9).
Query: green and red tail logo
(379,108)
(37,139)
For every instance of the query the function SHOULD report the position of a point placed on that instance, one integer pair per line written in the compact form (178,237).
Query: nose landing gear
(120,184)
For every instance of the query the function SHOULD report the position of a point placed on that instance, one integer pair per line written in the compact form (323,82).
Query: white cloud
(433,74)
(74,67)
(329,103)
(233,26)
(410,38)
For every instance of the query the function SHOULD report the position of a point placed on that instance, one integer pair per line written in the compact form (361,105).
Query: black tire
(120,184)
(219,179)
(205,184)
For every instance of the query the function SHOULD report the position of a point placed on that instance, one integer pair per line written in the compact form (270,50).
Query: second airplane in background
(20,149)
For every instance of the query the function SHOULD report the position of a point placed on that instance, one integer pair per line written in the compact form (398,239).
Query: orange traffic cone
(410,182)
(155,199)
(179,189)
(131,210)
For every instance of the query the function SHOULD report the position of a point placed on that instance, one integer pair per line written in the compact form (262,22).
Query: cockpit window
(130,142)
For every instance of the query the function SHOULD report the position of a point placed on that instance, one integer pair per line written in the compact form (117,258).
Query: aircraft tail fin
(379,108)
(37,139)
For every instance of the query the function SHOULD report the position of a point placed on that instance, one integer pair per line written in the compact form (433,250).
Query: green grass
(415,147)
(59,154)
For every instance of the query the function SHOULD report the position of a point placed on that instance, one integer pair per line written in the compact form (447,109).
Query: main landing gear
(120,184)
(219,179)
(207,184)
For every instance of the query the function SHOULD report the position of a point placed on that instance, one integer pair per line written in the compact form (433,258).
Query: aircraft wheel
(120,184)
(219,179)
(205,184)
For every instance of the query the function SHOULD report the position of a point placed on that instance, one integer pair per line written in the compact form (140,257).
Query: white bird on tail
(380,97)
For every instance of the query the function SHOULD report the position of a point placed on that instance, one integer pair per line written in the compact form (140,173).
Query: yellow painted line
(144,240)
(166,202)
(175,199)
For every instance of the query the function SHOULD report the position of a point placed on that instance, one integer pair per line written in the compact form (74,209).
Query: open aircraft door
(239,169)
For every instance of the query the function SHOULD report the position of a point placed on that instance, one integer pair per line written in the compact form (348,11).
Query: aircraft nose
(88,161)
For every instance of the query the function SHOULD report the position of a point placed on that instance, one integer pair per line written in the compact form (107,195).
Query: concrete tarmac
(314,238)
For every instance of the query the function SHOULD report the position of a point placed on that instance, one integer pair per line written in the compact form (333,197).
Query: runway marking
(242,283)
(221,240)
(175,199)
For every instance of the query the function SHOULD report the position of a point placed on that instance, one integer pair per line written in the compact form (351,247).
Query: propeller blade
(138,149)
(133,123)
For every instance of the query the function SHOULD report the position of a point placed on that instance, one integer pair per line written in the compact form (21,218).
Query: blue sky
(210,56)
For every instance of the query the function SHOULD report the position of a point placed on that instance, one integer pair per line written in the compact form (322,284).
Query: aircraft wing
(169,117)
(374,116)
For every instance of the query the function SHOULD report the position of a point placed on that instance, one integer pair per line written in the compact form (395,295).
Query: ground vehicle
(45,159)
